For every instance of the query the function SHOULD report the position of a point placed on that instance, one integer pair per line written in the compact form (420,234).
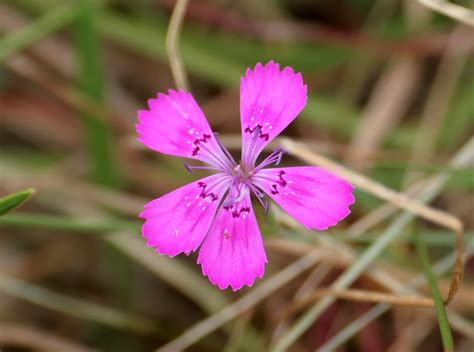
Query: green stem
(443,322)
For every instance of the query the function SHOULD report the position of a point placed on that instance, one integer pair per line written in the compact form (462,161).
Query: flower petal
(233,253)
(313,196)
(270,99)
(174,124)
(178,222)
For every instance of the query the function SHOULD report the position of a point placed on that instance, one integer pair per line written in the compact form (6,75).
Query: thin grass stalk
(456,12)
(172,45)
(446,335)
(369,255)
(440,268)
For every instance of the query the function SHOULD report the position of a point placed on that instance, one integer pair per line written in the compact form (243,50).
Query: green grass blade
(441,267)
(62,223)
(74,306)
(14,200)
(443,322)
(52,21)
(99,138)
(460,123)
(303,323)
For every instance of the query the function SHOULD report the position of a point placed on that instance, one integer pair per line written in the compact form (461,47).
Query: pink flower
(216,212)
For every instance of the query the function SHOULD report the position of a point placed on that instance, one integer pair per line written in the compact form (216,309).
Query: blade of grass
(121,235)
(454,11)
(399,199)
(263,290)
(432,238)
(367,257)
(441,267)
(14,200)
(63,223)
(74,306)
(99,137)
(459,124)
(99,144)
(443,322)
(52,21)
(345,280)
(101,223)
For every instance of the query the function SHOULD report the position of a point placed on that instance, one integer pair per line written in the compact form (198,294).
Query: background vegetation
(391,97)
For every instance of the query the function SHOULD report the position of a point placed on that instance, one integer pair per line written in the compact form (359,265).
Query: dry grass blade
(266,288)
(460,324)
(383,212)
(392,96)
(312,281)
(464,156)
(413,334)
(304,292)
(454,11)
(234,142)
(356,295)
(440,95)
(441,267)
(36,340)
(176,273)
(74,258)
(360,296)
(173,272)
(398,199)
(172,45)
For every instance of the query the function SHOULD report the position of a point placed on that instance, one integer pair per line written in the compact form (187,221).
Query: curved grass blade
(14,200)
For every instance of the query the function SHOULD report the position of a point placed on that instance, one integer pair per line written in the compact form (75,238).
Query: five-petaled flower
(216,212)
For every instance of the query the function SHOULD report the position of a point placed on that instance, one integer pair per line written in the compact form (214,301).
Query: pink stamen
(273,158)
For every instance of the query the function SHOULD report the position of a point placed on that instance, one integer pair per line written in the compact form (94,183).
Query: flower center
(240,176)
(243,174)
